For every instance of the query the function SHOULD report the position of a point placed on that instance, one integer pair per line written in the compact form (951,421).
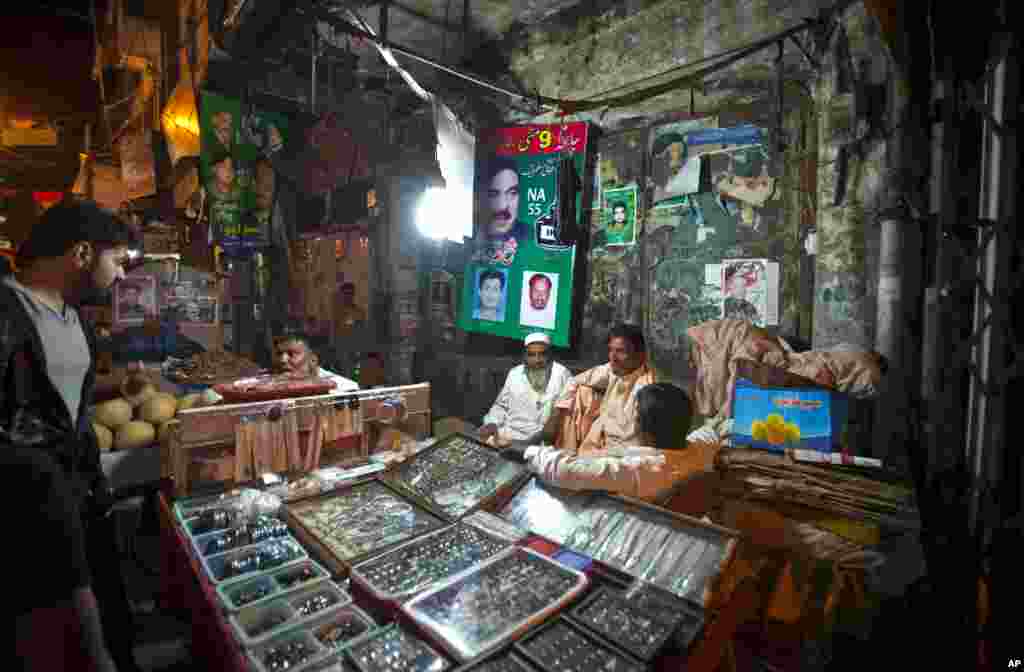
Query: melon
(135,434)
(136,389)
(158,409)
(114,413)
(104,437)
(188,401)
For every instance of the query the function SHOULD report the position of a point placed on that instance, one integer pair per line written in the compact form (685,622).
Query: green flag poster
(239,180)
(520,276)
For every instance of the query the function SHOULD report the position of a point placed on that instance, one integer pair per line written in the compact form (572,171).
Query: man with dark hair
(618,222)
(598,408)
(294,355)
(500,186)
(75,252)
(491,290)
(659,459)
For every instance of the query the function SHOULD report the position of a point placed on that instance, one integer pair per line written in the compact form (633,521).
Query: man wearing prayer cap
(524,404)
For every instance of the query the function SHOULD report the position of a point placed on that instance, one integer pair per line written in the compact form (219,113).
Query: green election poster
(520,276)
(239,180)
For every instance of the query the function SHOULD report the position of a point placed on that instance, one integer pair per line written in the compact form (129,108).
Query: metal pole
(312,56)
(987,401)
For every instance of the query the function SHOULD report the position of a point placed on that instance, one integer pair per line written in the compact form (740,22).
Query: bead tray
(456,474)
(259,623)
(338,629)
(268,527)
(216,566)
(503,661)
(393,649)
(642,632)
(270,582)
(355,523)
(563,646)
(425,561)
(665,605)
(491,604)
(316,653)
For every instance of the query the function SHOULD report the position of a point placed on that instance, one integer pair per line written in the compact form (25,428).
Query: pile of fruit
(141,416)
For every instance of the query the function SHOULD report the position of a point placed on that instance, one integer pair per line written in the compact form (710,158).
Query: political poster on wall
(238,179)
(620,210)
(520,274)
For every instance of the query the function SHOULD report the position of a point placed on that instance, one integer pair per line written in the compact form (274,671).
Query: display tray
(563,646)
(393,649)
(355,523)
(675,552)
(502,661)
(425,561)
(639,630)
(456,474)
(244,562)
(295,651)
(246,534)
(488,605)
(664,606)
(495,526)
(271,585)
(192,507)
(545,510)
(271,387)
(679,554)
(257,624)
(339,628)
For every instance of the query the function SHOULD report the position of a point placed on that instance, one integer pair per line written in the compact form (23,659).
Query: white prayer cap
(538,338)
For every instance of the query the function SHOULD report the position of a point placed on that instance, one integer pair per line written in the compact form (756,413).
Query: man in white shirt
(525,402)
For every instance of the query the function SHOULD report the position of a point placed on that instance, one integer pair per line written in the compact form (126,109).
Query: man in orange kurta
(597,411)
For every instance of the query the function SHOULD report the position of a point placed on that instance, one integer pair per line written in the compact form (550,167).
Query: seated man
(294,356)
(597,411)
(524,404)
(648,468)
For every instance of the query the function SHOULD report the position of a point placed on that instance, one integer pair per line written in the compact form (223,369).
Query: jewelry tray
(465,614)
(456,475)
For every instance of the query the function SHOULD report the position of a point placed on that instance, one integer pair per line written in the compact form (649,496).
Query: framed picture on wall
(199,310)
(134,300)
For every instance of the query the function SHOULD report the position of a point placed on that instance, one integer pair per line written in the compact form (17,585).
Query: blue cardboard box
(777,418)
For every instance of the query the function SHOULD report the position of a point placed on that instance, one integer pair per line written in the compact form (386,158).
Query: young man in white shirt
(648,469)
(525,402)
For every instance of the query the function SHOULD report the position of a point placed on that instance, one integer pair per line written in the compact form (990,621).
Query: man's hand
(487,431)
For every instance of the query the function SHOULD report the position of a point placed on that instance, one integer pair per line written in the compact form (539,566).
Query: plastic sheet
(495,526)
(426,561)
(456,474)
(362,519)
(487,606)
(545,510)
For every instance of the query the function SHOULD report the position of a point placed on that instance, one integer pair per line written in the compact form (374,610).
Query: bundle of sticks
(768,476)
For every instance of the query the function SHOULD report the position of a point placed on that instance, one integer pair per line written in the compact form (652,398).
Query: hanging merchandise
(138,167)
(237,173)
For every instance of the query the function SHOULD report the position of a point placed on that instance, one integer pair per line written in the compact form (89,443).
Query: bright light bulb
(445,213)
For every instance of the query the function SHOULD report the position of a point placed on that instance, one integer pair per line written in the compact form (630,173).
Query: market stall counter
(451,558)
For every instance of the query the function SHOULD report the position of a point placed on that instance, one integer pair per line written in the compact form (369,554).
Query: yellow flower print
(775,430)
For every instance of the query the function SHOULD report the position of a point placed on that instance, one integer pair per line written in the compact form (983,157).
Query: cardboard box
(777,418)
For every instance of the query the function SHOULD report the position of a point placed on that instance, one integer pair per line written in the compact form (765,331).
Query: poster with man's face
(239,182)
(620,215)
(539,300)
(517,232)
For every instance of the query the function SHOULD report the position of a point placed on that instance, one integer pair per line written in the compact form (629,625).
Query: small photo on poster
(134,299)
(620,215)
(539,300)
(490,294)
(201,310)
